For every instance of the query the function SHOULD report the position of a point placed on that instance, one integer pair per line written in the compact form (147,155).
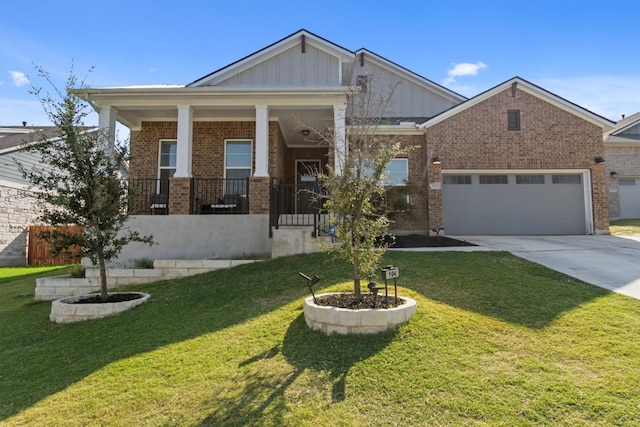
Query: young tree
(355,188)
(79,181)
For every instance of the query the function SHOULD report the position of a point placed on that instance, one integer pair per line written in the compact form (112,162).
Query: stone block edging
(64,310)
(364,321)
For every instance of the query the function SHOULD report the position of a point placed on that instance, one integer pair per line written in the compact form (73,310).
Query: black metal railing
(299,205)
(220,196)
(148,196)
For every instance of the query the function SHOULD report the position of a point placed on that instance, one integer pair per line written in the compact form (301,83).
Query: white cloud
(152,69)
(608,96)
(463,69)
(19,78)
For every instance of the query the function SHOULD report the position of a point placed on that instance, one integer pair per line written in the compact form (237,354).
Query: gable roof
(531,89)
(617,133)
(30,134)
(413,76)
(300,36)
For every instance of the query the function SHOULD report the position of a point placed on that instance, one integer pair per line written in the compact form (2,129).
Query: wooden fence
(38,249)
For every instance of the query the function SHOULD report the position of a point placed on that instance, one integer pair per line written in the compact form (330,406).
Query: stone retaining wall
(51,288)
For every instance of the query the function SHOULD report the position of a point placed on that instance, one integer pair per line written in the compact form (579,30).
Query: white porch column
(262,141)
(184,147)
(107,125)
(340,138)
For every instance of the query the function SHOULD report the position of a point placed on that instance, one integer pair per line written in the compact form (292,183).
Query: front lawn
(496,341)
(625,227)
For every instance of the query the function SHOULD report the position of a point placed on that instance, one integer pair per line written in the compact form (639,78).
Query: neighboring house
(515,159)
(18,206)
(622,151)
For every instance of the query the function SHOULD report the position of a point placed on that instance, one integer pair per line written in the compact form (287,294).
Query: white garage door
(514,203)
(629,193)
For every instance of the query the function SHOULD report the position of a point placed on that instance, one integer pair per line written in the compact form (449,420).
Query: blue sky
(586,51)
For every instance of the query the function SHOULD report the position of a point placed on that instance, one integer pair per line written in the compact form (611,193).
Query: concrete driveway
(607,261)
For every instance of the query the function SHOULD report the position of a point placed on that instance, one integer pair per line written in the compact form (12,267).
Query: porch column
(107,125)
(339,136)
(262,141)
(184,146)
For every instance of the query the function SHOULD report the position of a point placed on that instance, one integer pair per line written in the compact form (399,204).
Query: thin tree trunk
(103,279)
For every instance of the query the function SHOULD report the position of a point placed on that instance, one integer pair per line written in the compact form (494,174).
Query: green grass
(625,227)
(496,340)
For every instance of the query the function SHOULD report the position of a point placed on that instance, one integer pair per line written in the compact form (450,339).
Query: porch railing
(220,196)
(148,196)
(297,205)
(209,196)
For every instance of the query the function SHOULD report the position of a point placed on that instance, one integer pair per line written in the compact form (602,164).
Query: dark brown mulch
(349,301)
(119,297)
(424,241)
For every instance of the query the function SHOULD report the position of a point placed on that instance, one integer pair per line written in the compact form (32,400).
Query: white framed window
(237,165)
(166,163)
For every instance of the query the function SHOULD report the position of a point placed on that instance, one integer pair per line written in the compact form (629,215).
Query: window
(529,179)
(566,179)
(397,179)
(626,181)
(166,164)
(362,81)
(513,120)
(456,179)
(493,179)
(237,166)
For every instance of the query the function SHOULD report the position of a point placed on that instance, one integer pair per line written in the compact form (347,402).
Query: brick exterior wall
(626,162)
(180,196)
(415,219)
(550,138)
(259,195)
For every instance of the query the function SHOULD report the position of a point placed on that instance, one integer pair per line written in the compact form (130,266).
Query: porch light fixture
(599,160)
(305,132)
(614,174)
(435,160)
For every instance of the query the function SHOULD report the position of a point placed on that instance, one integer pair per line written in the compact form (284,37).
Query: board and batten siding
(408,98)
(291,68)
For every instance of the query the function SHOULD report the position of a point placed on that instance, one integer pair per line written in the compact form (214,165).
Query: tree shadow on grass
(39,358)
(304,350)
(495,284)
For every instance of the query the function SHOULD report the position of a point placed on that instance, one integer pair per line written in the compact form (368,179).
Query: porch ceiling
(292,119)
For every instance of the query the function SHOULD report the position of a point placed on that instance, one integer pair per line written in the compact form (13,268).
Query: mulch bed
(119,297)
(424,241)
(349,301)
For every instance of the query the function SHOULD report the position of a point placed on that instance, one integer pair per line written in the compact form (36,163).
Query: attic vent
(303,43)
(362,81)
(513,120)
(362,59)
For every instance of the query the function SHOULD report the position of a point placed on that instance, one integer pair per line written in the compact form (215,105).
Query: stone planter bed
(71,309)
(362,321)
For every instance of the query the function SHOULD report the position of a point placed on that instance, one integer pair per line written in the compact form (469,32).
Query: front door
(307,186)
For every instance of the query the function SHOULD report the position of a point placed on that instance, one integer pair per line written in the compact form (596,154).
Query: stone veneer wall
(550,138)
(18,210)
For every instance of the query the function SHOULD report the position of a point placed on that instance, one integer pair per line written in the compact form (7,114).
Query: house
(18,206)
(622,151)
(217,164)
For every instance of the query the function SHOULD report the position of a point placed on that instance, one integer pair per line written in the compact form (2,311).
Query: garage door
(629,193)
(514,203)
